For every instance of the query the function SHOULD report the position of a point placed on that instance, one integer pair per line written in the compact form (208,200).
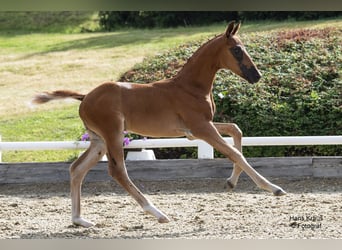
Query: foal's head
(235,57)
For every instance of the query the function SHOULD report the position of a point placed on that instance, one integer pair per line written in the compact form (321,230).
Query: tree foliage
(112,20)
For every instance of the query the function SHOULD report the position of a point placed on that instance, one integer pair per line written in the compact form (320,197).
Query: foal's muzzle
(252,75)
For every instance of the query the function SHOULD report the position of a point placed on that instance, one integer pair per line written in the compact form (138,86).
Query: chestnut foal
(180,106)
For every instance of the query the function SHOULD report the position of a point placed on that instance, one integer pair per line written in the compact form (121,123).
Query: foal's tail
(59,94)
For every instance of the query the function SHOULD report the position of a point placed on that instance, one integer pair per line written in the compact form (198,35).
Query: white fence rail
(205,151)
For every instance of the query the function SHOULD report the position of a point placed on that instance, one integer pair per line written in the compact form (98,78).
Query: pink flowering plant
(126,139)
(85,137)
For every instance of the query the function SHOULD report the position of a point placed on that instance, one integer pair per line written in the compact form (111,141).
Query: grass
(40,61)
(48,22)
(61,125)
(35,62)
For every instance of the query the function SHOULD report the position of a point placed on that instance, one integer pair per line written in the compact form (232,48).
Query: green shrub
(299,94)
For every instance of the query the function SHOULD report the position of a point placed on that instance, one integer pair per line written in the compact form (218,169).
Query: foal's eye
(237,52)
(237,49)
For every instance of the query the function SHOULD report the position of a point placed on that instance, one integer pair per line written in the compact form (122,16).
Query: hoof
(279,192)
(151,209)
(163,219)
(229,186)
(82,222)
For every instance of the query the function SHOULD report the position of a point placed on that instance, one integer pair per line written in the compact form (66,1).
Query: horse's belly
(157,126)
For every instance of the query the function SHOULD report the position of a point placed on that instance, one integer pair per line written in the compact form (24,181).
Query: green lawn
(31,63)
(35,62)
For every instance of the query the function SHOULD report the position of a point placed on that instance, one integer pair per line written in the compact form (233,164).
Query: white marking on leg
(151,209)
(82,222)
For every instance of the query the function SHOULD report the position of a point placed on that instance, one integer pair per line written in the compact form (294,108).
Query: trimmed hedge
(298,95)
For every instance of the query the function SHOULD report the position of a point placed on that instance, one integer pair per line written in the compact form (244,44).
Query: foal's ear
(232,28)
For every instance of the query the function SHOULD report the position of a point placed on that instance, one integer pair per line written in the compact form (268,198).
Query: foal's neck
(200,70)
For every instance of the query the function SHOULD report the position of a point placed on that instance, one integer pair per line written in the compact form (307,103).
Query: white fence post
(0,151)
(205,151)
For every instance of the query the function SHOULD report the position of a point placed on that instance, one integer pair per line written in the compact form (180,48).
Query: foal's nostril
(252,75)
(257,76)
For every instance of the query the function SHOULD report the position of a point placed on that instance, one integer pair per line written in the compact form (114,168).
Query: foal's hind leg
(117,169)
(78,171)
(234,131)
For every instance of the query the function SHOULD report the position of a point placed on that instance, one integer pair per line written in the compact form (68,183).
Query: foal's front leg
(231,129)
(208,132)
